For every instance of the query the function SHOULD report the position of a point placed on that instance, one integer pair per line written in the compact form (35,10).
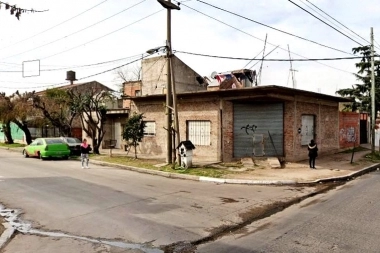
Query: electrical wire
(54,26)
(81,30)
(75,66)
(325,22)
(280,60)
(276,29)
(338,21)
(102,36)
(260,39)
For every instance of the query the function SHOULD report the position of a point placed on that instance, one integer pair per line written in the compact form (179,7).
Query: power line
(64,37)
(53,26)
(259,38)
(245,59)
(103,35)
(276,29)
(75,66)
(338,22)
(324,22)
(99,73)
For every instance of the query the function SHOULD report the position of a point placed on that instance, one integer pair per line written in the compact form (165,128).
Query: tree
(133,131)
(128,74)
(6,108)
(58,107)
(361,91)
(90,105)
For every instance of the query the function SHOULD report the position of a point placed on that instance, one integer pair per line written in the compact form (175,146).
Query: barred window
(199,132)
(150,128)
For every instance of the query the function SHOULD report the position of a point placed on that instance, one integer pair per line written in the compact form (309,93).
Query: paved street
(105,203)
(343,220)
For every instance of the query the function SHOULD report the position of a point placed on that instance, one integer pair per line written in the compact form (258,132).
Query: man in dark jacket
(313,153)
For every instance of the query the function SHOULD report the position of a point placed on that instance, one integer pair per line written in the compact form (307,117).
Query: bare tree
(91,108)
(127,74)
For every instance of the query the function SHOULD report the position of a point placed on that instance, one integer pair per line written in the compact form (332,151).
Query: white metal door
(307,130)
(118,134)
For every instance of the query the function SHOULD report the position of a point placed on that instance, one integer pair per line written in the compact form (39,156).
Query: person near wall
(84,151)
(313,153)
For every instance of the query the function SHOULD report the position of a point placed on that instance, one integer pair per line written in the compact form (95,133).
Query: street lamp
(170,89)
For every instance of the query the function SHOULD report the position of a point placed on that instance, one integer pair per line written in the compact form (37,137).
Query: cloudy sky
(92,37)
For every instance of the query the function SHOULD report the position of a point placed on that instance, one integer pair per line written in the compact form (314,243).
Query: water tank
(70,76)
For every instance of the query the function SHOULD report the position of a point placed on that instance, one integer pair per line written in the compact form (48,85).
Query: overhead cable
(54,26)
(325,22)
(276,29)
(259,38)
(81,30)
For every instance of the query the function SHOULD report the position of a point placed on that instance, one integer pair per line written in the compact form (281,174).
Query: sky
(95,37)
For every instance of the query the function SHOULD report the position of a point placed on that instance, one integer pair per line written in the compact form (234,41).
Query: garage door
(258,129)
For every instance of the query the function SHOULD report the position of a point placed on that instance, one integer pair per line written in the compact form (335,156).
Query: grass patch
(14,145)
(150,164)
(375,157)
(356,149)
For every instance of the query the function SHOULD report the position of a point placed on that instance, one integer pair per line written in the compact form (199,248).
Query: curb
(231,181)
(198,178)
(347,177)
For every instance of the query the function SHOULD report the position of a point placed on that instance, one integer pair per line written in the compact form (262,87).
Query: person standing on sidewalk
(313,153)
(84,151)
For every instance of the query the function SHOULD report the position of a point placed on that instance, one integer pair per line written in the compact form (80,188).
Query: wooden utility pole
(373,114)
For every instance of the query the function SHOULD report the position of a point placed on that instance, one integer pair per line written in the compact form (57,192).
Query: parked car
(74,144)
(47,148)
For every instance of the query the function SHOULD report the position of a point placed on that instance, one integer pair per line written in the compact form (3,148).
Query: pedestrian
(313,153)
(84,151)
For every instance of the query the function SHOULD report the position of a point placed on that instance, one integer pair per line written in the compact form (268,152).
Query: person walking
(313,153)
(84,151)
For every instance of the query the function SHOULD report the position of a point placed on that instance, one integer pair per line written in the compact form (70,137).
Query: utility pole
(169,86)
(291,69)
(262,60)
(373,114)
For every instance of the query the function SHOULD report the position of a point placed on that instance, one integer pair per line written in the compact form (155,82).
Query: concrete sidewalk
(331,167)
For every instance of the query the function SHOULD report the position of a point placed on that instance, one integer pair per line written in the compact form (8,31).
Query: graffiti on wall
(258,140)
(347,134)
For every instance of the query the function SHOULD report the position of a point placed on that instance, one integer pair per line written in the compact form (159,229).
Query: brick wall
(206,109)
(349,129)
(220,113)
(326,127)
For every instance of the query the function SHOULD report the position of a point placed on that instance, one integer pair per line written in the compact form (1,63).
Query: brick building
(226,125)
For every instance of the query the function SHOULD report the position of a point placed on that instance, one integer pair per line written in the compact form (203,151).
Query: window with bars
(198,132)
(150,128)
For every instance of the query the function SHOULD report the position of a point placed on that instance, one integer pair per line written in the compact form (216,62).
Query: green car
(47,148)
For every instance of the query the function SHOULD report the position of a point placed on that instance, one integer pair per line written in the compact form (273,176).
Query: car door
(30,149)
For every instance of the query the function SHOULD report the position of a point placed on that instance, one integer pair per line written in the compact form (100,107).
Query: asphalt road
(342,220)
(105,203)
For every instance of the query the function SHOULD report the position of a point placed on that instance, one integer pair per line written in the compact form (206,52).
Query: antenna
(292,70)
(262,60)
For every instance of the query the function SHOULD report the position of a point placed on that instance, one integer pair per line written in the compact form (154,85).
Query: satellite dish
(213,74)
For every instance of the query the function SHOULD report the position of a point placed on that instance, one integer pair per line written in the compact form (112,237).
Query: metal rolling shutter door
(267,117)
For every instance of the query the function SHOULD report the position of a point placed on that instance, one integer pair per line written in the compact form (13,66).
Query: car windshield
(72,140)
(53,141)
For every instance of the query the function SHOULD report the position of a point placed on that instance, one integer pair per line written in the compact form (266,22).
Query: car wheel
(39,156)
(25,154)
(66,158)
